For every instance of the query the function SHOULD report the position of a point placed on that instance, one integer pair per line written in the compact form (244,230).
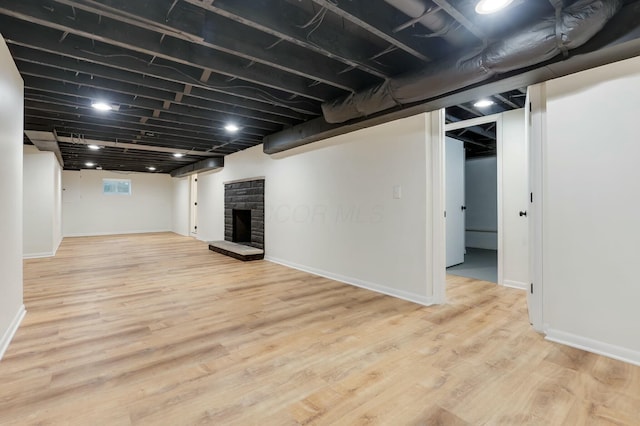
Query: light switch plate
(397,192)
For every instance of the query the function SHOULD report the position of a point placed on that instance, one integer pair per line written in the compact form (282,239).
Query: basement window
(116,186)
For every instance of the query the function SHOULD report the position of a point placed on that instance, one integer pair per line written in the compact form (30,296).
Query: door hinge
(530,107)
(531,195)
(445,214)
(531,288)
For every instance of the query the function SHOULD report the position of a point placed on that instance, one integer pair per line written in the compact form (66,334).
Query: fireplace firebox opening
(241,226)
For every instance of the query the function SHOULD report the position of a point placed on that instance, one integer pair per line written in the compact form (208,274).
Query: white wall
(41,203)
(515,198)
(181,210)
(11,128)
(330,208)
(481,199)
(590,211)
(87,211)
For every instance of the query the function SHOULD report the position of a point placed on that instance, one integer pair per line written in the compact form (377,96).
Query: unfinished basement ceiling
(178,71)
(480,140)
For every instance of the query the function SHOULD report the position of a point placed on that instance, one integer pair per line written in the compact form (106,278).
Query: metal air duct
(554,35)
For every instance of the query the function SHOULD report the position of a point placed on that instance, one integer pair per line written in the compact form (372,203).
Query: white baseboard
(400,294)
(45,253)
(11,331)
(180,233)
(38,255)
(595,346)
(57,245)
(515,284)
(101,234)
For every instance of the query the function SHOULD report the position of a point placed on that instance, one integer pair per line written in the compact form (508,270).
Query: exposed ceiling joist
(506,101)
(148,43)
(247,95)
(81,92)
(268,19)
(129,123)
(220,34)
(459,17)
(367,18)
(129,118)
(122,93)
(178,72)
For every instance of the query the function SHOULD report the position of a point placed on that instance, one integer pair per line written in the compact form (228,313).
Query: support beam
(319,129)
(136,146)
(199,167)
(46,142)
(473,129)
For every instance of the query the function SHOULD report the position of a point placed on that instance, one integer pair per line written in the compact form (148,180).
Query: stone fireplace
(244,212)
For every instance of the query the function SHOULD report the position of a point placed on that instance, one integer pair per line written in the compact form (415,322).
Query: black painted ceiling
(178,71)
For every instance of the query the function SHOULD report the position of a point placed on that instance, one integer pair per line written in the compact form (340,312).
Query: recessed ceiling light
(102,106)
(178,154)
(485,7)
(151,168)
(231,128)
(483,103)
(93,147)
(89,164)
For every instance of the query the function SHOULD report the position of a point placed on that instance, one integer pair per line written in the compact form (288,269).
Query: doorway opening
(485,153)
(471,168)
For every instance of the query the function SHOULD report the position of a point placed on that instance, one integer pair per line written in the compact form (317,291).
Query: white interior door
(193,204)
(514,159)
(535,118)
(454,182)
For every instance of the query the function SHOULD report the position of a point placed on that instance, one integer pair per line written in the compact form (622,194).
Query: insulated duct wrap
(536,43)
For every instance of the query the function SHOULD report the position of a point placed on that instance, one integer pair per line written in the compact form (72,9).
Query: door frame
(193,205)
(536,132)
(438,131)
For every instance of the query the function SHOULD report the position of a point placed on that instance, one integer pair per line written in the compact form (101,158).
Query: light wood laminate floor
(156,329)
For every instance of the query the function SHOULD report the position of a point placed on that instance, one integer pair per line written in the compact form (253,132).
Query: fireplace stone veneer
(245,195)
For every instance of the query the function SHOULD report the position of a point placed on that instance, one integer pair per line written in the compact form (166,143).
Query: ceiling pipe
(537,43)
(432,18)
